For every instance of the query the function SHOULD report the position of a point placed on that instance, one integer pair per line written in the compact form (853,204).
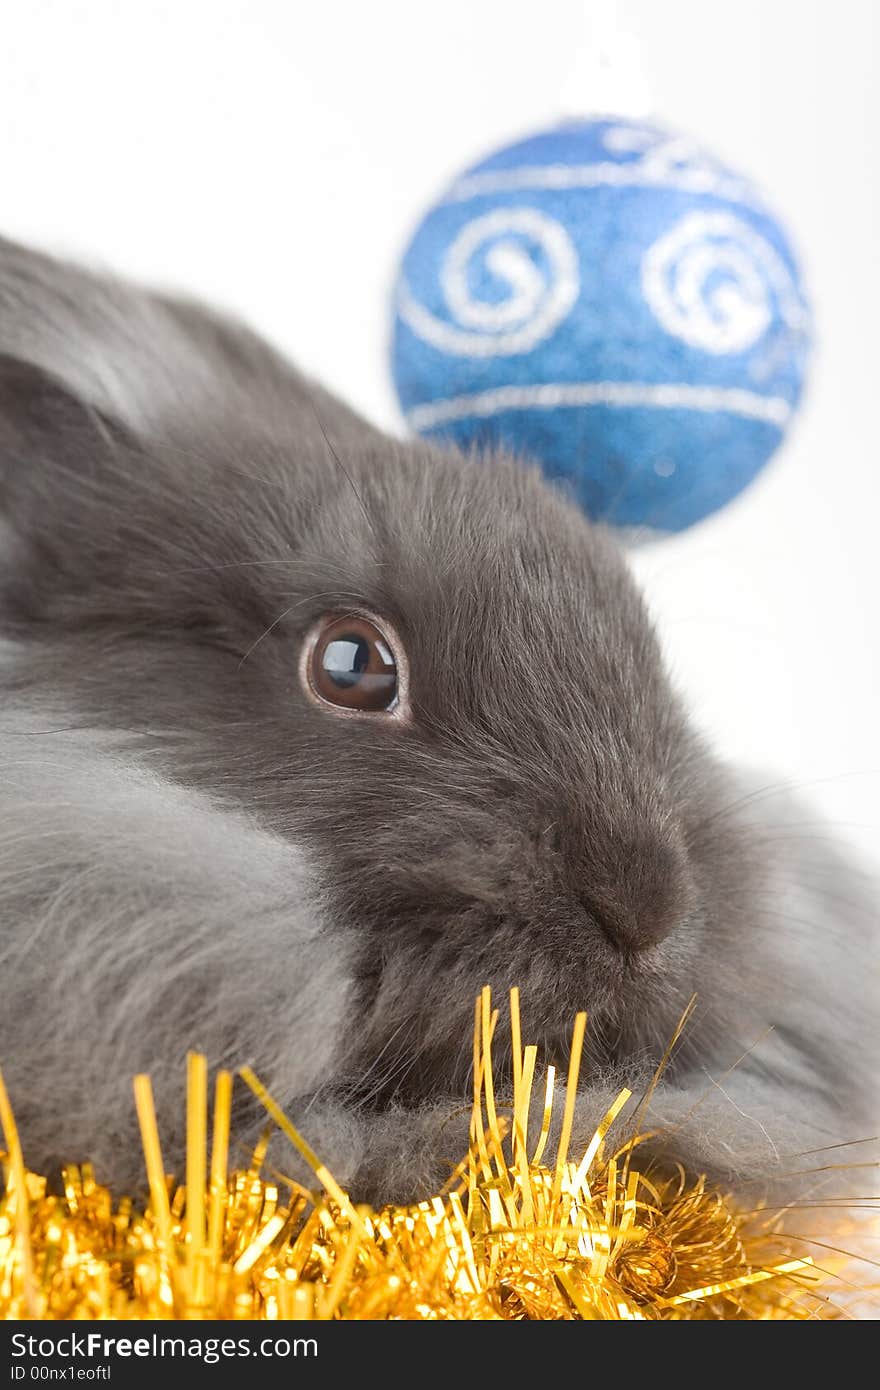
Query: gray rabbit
(306,734)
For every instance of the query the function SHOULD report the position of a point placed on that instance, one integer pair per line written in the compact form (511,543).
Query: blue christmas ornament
(606,298)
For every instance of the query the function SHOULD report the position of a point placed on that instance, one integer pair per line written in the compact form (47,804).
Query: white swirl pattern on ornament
(663,160)
(715,284)
(539,297)
(562,395)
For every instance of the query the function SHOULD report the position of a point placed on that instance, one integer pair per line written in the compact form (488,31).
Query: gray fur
(194,855)
(140,919)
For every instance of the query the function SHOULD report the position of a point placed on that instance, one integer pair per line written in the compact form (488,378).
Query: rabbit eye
(351,664)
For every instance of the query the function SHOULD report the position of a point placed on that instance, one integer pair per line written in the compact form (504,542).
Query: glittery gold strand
(458,1178)
(629,1207)
(545,1118)
(478,1133)
(219,1160)
(585,1308)
(742,1281)
(146,1113)
(324,1176)
(329,1300)
(17,1182)
(574,1071)
(489,1022)
(261,1242)
(465,1246)
(516,1047)
(594,1148)
(196,1149)
(520,1133)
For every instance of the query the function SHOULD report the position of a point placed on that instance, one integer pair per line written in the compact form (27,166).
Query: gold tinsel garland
(510,1237)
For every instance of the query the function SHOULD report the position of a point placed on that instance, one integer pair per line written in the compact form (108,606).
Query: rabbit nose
(638,888)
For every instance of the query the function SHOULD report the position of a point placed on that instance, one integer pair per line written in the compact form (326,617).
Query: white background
(274,155)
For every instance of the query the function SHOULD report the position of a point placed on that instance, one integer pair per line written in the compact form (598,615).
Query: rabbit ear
(44,431)
(165,368)
(60,460)
(91,518)
(111,345)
